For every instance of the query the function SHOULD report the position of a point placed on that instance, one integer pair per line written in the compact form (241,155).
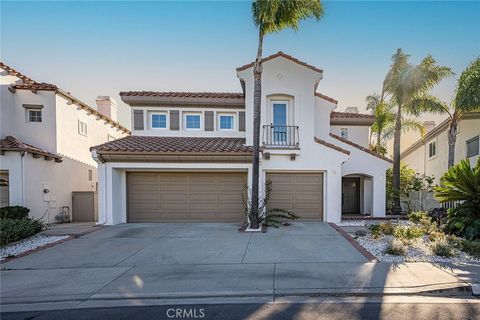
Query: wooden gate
(83,206)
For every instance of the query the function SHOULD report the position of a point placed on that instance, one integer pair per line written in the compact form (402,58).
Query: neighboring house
(429,155)
(189,157)
(45,137)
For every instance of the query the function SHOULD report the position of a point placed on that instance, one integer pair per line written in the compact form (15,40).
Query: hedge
(14,212)
(12,230)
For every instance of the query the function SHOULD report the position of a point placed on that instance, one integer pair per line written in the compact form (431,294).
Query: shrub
(436,235)
(471,247)
(461,183)
(415,217)
(438,215)
(396,248)
(14,212)
(442,248)
(375,229)
(387,228)
(12,230)
(361,233)
(407,234)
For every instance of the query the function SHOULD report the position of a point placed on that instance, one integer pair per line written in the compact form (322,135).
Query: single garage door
(212,196)
(301,193)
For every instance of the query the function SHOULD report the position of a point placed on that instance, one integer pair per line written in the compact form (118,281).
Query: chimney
(107,106)
(429,125)
(351,110)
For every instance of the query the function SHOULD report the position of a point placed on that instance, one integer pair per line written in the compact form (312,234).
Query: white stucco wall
(436,166)
(357,134)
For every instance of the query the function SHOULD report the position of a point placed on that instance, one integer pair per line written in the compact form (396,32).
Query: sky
(93,48)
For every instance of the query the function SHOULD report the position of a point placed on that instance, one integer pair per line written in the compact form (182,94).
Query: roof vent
(351,110)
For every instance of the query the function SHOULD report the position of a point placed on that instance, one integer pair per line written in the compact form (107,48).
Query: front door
(279,112)
(351,195)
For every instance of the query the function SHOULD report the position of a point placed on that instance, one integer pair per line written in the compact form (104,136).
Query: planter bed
(29,244)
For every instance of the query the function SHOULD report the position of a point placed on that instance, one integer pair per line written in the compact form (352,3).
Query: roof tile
(10,143)
(220,95)
(286,56)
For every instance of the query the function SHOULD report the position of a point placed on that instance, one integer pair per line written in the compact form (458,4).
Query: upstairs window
(82,128)
(159,121)
(226,122)
(432,149)
(33,112)
(473,147)
(344,133)
(192,121)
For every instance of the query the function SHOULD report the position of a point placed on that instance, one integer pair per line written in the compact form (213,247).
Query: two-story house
(189,157)
(429,155)
(45,137)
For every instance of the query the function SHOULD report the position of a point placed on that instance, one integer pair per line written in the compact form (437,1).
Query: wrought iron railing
(280,136)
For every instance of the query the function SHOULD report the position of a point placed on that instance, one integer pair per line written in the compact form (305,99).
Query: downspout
(22,166)
(99,160)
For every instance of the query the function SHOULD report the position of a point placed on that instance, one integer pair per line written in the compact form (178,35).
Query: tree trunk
(452,139)
(396,208)
(257,103)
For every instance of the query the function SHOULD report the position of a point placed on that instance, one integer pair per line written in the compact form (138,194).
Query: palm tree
(467,99)
(271,16)
(384,123)
(404,84)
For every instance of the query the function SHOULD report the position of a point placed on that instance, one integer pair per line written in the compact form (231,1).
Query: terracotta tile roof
(327,98)
(15,73)
(220,95)
(353,144)
(36,86)
(286,56)
(331,145)
(10,143)
(337,114)
(154,144)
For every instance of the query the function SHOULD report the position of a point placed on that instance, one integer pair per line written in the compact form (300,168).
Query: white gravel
(417,252)
(28,244)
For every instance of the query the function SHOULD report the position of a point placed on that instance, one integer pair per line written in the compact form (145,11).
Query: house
(45,137)
(189,157)
(429,155)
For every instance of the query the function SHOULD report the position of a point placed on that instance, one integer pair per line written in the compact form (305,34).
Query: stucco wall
(357,134)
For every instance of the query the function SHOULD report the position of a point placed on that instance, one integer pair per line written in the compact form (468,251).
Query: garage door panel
(301,193)
(157,196)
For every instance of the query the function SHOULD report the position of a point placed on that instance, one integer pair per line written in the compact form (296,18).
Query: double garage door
(214,196)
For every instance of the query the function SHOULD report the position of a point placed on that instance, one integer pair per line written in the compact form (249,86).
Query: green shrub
(407,234)
(396,248)
(415,217)
(387,228)
(375,230)
(463,221)
(436,235)
(12,230)
(442,248)
(471,247)
(14,212)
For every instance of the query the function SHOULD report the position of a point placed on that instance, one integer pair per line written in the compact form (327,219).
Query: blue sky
(101,48)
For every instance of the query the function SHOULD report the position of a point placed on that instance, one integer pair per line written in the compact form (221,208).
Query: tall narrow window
(473,147)
(432,149)
(82,128)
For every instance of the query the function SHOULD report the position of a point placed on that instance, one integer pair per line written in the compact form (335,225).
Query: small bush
(464,221)
(375,230)
(407,234)
(471,247)
(436,235)
(274,217)
(416,217)
(396,248)
(438,215)
(14,212)
(12,230)
(387,228)
(361,233)
(427,225)
(442,248)
(454,241)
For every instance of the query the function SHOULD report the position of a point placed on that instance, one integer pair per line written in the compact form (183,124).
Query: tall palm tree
(271,16)
(467,99)
(404,84)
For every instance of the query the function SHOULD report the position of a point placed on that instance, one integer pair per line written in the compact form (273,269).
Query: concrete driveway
(175,260)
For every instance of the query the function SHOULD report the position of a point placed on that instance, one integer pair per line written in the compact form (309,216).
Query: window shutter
(209,121)
(241,121)
(138,120)
(174,120)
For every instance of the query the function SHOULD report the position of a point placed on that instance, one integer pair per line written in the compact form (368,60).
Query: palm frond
(467,93)
(428,103)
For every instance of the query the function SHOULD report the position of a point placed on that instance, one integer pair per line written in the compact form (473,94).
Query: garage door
(157,197)
(301,193)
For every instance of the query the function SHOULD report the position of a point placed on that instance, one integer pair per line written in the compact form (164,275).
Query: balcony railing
(280,136)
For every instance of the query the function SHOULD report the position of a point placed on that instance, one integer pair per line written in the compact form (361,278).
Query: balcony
(280,136)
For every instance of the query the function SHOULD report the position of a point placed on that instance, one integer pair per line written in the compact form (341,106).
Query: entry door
(279,115)
(350,195)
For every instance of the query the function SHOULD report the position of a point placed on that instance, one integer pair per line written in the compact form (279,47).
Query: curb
(370,257)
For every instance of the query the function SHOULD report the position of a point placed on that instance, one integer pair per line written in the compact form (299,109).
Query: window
(159,121)
(34,115)
(90,175)
(192,121)
(473,147)
(225,122)
(82,128)
(432,149)
(344,133)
